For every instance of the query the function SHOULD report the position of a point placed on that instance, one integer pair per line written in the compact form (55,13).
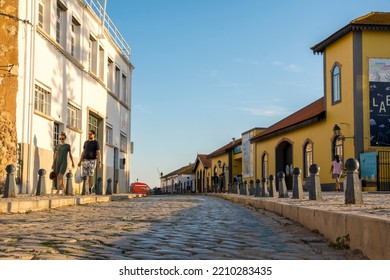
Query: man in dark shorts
(90,158)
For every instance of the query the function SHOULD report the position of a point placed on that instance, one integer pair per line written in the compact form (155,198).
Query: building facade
(74,75)
(352,118)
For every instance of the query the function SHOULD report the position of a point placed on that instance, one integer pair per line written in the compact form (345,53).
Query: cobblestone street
(160,227)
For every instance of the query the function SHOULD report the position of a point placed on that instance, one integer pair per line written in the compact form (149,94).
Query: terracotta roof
(205,160)
(225,148)
(371,21)
(305,116)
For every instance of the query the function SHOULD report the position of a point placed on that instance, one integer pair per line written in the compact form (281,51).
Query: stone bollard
(238,188)
(99,187)
(258,188)
(282,185)
(353,193)
(251,187)
(297,184)
(41,188)
(85,190)
(272,187)
(69,184)
(109,186)
(10,184)
(246,189)
(264,190)
(315,192)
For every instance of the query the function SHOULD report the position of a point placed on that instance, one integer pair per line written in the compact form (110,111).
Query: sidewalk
(28,203)
(368,225)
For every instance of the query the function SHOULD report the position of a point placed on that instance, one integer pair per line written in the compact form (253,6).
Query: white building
(74,75)
(181,180)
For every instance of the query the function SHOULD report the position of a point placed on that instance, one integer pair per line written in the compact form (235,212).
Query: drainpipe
(30,159)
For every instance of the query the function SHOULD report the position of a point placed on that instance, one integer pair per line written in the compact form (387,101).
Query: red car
(139,188)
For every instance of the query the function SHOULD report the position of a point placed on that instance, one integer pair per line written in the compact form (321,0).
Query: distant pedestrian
(90,158)
(337,170)
(60,161)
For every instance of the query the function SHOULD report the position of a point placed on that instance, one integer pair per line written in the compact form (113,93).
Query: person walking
(60,161)
(337,170)
(90,158)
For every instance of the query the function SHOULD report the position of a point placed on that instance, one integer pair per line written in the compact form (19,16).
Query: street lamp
(336,130)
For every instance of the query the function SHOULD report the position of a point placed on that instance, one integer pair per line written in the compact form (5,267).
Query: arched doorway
(284,161)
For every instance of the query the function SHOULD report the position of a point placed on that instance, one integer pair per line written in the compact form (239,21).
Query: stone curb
(369,234)
(33,203)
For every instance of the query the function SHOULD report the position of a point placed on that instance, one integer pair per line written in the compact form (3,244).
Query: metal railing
(115,35)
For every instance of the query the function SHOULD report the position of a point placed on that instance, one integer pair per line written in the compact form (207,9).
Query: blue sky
(208,70)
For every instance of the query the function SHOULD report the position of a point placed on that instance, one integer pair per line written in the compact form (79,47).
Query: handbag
(77,176)
(52,175)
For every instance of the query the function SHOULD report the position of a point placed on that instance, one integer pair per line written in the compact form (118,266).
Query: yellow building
(351,120)
(217,171)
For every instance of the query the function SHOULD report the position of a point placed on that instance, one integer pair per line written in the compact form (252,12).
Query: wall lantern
(336,130)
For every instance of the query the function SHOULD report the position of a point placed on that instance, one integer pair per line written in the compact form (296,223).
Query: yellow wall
(320,134)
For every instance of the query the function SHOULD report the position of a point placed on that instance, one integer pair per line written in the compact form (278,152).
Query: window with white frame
(56,134)
(74,116)
(75,38)
(41,13)
(124,88)
(92,54)
(61,24)
(42,100)
(109,134)
(123,143)
(336,84)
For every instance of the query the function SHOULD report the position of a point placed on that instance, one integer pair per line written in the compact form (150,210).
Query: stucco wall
(8,83)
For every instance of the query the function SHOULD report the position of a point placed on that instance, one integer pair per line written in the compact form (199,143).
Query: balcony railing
(115,35)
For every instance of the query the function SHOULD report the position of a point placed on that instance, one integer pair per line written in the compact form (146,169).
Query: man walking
(90,158)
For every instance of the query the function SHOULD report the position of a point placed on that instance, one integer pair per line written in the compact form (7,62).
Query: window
(41,13)
(338,147)
(101,63)
(124,88)
(336,84)
(117,81)
(264,171)
(74,116)
(123,143)
(92,55)
(42,100)
(56,134)
(60,24)
(109,133)
(110,74)
(308,158)
(75,39)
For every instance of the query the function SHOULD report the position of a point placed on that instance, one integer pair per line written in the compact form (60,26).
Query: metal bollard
(272,187)
(297,184)
(99,187)
(109,186)
(353,193)
(41,188)
(315,192)
(258,188)
(10,184)
(251,187)
(264,190)
(69,184)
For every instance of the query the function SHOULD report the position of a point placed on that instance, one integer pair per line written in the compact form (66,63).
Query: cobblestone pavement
(160,227)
